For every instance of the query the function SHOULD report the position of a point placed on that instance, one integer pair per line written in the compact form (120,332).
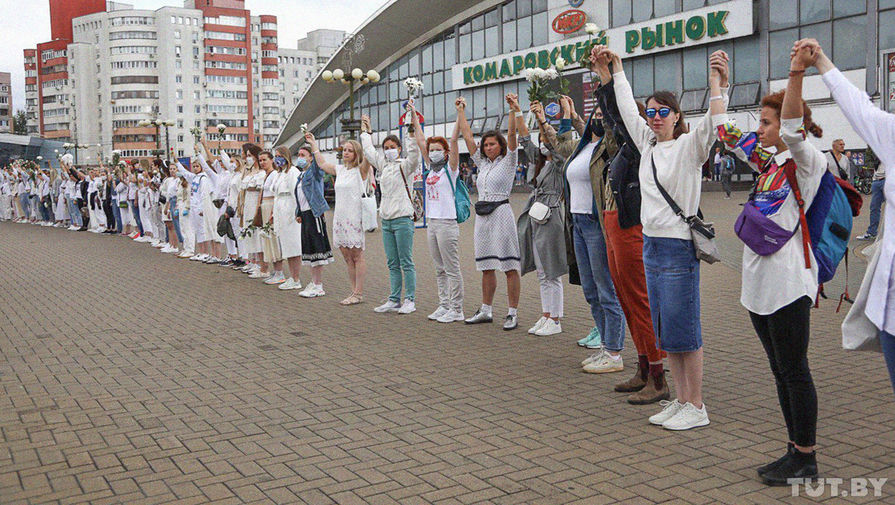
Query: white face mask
(391,154)
(250,162)
(436,156)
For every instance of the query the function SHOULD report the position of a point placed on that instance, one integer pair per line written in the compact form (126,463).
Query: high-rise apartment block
(207,63)
(5,103)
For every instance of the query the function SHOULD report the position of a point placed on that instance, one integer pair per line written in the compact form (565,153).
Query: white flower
(304,127)
(591,28)
(222,127)
(551,74)
(560,63)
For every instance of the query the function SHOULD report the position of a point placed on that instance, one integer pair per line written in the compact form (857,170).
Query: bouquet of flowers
(304,128)
(414,87)
(197,133)
(537,83)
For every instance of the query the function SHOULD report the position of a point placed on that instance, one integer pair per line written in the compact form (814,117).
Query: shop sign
(569,21)
(705,25)
(576,3)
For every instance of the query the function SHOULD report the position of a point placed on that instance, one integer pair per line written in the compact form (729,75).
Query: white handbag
(858,331)
(368,209)
(539,213)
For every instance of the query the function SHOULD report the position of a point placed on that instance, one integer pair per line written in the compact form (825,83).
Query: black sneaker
(799,465)
(770,466)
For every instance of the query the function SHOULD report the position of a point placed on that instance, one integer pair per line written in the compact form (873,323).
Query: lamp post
(158,124)
(351,125)
(76,147)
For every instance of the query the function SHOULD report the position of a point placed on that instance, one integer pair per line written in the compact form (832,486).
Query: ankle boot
(770,466)
(633,384)
(799,465)
(656,389)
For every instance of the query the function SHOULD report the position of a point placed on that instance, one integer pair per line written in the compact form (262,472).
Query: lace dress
(347,227)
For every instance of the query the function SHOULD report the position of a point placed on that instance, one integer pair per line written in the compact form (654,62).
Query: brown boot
(633,384)
(656,389)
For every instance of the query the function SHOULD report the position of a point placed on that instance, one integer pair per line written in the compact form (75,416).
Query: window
(666,72)
(523,33)
(621,12)
(133,50)
(643,76)
(132,35)
(540,29)
(886,30)
(225,36)
(696,68)
(745,65)
(785,14)
(849,36)
(814,10)
(779,44)
(848,7)
(136,79)
(177,34)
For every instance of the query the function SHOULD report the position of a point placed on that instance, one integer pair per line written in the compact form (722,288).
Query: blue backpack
(827,224)
(461,198)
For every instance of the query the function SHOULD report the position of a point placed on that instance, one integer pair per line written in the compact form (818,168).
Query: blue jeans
(596,281)
(116,211)
(136,210)
(175,218)
(887,340)
(74,212)
(877,197)
(397,238)
(24,202)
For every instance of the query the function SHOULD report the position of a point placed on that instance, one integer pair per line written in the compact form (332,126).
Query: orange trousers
(625,250)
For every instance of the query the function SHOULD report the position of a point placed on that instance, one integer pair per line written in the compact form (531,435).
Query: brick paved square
(129,376)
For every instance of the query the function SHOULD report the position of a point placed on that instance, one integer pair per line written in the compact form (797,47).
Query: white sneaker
(185,254)
(70,228)
(158,244)
(550,327)
(606,363)
(534,329)
(247,268)
(276,278)
(440,311)
(669,409)
(312,291)
(198,257)
(388,306)
(593,357)
(408,307)
(258,274)
(451,316)
(290,284)
(687,417)
(167,248)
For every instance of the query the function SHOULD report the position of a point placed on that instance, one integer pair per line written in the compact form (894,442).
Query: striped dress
(496,240)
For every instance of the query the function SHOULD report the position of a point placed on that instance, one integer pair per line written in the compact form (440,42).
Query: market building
(478,49)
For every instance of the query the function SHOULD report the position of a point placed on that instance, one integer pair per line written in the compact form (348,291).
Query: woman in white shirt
(270,243)
(251,184)
(673,157)
(169,211)
(779,287)
(348,232)
(396,211)
(288,230)
(443,231)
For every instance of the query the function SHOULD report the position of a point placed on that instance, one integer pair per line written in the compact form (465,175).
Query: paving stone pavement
(132,377)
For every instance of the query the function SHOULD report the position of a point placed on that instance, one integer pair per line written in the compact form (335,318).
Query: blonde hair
(358,153)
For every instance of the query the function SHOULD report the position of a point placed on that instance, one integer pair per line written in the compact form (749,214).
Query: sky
(31,25)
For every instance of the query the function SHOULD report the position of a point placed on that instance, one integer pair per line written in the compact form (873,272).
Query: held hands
(718,69)
(513,101)
(566,104)
(599,61)
(611,57)
(538,110)
(460,103)
(804,54)
(365,123)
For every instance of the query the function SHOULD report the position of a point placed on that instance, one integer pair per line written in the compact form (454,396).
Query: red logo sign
(569,21)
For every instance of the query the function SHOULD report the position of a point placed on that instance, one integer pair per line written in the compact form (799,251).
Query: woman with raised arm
(443,230)
(310,206)
(540,225)
(496,240)
(624,247)
(396,211)
(877,128)
(672,158)
(288,230)
(348,231)
(232,202)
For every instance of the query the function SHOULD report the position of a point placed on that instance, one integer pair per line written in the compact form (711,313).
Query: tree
(20,123)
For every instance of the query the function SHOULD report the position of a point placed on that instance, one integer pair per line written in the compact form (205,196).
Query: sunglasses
(663,112)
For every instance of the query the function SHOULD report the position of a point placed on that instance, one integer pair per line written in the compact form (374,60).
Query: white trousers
(551,290)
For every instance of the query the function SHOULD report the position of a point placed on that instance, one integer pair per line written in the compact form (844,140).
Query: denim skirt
(672,283)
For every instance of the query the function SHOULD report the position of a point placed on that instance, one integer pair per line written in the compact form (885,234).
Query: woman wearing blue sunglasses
(671,159)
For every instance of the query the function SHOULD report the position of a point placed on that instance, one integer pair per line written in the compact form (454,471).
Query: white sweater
(395,202)
(678,164)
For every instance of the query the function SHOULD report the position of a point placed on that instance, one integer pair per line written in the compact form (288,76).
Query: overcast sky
(31,25)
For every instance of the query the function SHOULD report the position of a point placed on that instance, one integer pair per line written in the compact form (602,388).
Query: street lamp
(158,123)
(351,125)
(76,147)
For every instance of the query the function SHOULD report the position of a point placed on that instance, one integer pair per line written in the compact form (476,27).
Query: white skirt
(288,230)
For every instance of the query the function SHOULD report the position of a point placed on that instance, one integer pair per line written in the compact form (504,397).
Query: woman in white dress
(270,244)
(348,230)
(251,185)
(496,239)
(287,229)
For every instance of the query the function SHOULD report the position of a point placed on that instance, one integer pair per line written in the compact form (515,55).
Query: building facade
(6,110)
(478,49)
(208,63)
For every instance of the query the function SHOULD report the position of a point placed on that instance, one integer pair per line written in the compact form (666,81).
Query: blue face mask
(280,161)
(301,163)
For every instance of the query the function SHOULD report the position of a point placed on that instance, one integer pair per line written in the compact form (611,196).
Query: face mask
(391,154)
(436,157)
(250,162)
(597,128)
(301,163)
(280,161)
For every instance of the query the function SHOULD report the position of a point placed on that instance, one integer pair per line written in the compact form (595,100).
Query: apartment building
(206,64)
(6,111)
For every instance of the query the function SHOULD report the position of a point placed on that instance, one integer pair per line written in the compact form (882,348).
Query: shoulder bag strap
(789,168)
(671,203)
(406,188)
